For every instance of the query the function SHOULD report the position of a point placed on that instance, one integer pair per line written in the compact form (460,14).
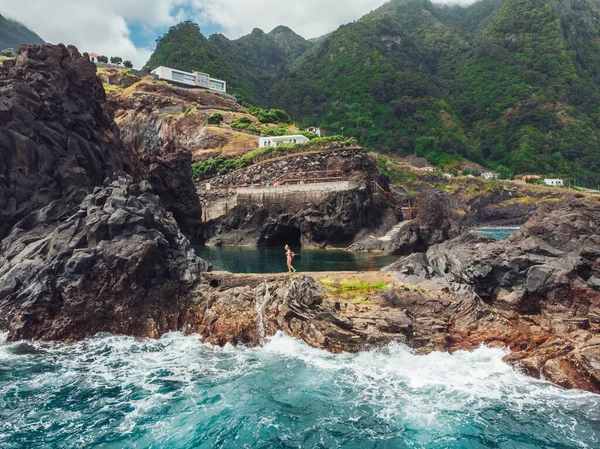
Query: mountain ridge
(513,85)
(14,34)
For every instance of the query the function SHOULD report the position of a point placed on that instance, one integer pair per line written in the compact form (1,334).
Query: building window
(183,77)
(203,80)
(217,85)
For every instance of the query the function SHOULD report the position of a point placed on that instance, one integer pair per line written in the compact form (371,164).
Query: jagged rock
(114,264)
(542,279)
(335,221)
(57,138)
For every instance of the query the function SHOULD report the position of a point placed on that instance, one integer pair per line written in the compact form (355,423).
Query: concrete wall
(281,195)
(218,208)
(354,162)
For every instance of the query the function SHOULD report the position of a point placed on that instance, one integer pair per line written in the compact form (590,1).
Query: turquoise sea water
(497,233)
(272,260)
(120,392)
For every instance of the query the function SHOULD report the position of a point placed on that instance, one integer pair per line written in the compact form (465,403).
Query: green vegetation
(513,85)
(250,64)
(353,289)
(219,165)
(215,119)
(13,35)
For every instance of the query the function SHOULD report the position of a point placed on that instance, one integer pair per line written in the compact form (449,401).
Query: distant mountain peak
(14,34)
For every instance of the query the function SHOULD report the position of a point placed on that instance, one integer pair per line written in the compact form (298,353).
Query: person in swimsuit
(289,256)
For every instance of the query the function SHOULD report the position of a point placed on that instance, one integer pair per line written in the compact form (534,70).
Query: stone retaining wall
(355,163)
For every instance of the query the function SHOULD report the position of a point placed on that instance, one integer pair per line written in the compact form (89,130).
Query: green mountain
(251,64)
(13,35)
(511,84)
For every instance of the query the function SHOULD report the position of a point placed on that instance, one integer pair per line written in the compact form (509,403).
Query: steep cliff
(83,247)
(57,139)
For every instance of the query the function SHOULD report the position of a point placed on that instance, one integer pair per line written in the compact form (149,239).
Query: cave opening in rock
(284,235)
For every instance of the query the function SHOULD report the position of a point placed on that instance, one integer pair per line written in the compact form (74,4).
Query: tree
(8,52)
(116,60)
(128,64)
(103,59)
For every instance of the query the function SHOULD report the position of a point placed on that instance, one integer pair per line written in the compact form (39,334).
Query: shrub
(128,64)
(245,120)
(215,119)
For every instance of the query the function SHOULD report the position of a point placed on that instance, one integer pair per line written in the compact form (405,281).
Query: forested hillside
(511,84)
(13,35)
(251,65)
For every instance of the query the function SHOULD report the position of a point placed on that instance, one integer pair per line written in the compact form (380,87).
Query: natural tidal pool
(496,233)
(176,392)
(272,260)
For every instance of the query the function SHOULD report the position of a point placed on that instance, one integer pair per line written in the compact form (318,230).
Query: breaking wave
(176,392)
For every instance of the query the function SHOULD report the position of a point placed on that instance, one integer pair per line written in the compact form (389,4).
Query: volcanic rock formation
(57,139)
(540,286)
(79,254)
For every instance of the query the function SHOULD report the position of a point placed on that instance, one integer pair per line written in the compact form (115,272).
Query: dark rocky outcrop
(116,264)
(540,285)
(56,137)
(79,254)
(334,221)
(164,145)
(432,225)
(171,179)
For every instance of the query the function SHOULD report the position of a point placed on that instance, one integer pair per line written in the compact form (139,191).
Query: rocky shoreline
(91,241)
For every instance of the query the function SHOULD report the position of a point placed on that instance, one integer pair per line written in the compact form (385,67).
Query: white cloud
(309,18)
(93,25)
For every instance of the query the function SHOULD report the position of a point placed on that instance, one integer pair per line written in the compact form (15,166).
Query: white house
(489,175)
(94,57)
(314,129)
(554,182)
(198,79)
(428,168)
(276,140)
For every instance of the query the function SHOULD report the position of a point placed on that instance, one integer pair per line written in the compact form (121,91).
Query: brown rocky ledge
(558,344)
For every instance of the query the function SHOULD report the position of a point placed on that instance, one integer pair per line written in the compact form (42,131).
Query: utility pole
(342,131)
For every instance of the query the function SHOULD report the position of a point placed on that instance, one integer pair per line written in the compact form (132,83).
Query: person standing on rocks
(289,254)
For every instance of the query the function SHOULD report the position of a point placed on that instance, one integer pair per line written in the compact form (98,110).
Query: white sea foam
(196,383)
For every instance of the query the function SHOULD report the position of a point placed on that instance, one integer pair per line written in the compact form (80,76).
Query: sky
(129,28)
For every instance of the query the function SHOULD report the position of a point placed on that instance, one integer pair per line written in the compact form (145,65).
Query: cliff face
(81,249)
(57,139)
(326,218)
(164,126)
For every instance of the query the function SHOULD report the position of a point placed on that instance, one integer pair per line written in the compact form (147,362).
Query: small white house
(428,168)
(489,175)
(198,79)
(554,182)
(276,140)
(94,57)
(314,129)
(448,175)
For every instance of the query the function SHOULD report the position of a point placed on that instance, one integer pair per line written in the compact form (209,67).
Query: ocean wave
(115,391)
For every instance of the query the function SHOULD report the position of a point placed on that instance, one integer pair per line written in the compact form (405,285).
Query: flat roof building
(554,182)
(197,79)
(276,140)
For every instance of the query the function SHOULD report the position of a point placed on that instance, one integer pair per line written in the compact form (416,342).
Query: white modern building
(554,182)
(197,79)
(277,140)
(489,175)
